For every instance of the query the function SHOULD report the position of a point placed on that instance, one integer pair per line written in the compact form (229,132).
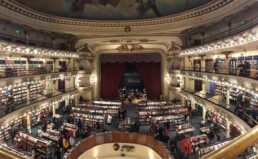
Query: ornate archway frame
(97,71)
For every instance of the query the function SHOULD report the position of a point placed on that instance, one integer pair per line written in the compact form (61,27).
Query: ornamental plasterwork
(212,11)
(30,51)
(240,81)
(229,42)
(10,4)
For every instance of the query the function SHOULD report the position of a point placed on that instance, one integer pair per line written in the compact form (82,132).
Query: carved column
(203,88)
(227,59)
(228,96)
(28,58)
(54,106)
(29,122)
(202,63)
(227,129)
(193,105)
(204,111)
(54,64)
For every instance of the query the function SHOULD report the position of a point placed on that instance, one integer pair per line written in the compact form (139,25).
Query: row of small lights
(35,51)
(215,46)
(36,82)
(61,77)
(192,99)
(48,106)
(224,84)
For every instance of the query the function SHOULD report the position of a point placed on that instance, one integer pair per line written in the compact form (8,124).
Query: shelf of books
(162,112)
(20,94)
(29,142)
(5,131)
(209,148)
(88,119)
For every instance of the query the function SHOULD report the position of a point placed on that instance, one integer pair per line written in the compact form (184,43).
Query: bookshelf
(161,112)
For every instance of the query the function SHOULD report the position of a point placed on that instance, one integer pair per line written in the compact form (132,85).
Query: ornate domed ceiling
(112,9)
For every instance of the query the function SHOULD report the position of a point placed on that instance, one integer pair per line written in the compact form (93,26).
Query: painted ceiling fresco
(112,9)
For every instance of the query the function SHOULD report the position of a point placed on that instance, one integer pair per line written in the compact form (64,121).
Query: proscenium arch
(97,71)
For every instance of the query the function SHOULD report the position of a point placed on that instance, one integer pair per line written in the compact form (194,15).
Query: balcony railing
(241,112)
(17,72)
(236,147)
(6,109)
(87,85)
(249,73)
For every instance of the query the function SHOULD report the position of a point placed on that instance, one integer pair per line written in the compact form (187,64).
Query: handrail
(230,107)
(248,73)
(236,147)
(120,137)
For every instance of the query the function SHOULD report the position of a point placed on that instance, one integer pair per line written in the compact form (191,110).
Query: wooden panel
(99,139)
(142,140)
(150,142)
(125,137)
(108,138)
(133,138)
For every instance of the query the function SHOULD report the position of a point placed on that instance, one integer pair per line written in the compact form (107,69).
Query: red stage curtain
(150,74)
(111,75)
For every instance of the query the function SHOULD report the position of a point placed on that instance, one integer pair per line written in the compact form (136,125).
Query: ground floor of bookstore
(204,139)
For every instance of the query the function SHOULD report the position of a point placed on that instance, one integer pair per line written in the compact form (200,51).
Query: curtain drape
(150,73)
(111,75)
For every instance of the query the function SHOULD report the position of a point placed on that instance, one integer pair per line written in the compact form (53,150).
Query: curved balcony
(84,86)
(248,73)
(119,137)
(242,112)
(236,147)
(7,109)
(16,72)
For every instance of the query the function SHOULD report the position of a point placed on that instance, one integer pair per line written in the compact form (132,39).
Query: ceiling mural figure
(113,9)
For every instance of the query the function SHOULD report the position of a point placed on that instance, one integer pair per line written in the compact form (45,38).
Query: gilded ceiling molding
(198,16)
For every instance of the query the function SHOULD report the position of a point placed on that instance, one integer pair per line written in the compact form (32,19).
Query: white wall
(106,151)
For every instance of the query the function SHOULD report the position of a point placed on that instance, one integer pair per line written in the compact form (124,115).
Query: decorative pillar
(204,111)
(28,58)
(54,109)
(29,123)
(202,63)
(183,101)
(227,129)
(227,59)
(203,88)
(54,65)
(228,96)
(193,105)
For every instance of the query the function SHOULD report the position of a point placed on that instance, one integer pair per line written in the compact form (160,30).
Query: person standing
(173,146)
(58,152)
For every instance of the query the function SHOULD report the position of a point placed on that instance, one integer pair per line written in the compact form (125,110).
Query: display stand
(198,140)
(52,135)
(184,131)
(70,127)
(29,142)
(208,149)
(162,112)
